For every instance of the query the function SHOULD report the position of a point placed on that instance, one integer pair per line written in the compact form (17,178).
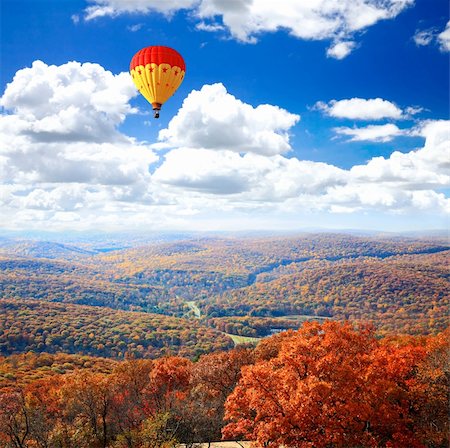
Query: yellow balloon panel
(157,83)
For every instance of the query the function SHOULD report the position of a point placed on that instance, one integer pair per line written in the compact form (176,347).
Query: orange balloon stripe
(157,83)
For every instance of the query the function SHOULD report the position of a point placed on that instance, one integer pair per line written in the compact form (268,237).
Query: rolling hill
(39,326)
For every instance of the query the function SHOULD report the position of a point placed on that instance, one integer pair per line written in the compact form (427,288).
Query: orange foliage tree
(331,385)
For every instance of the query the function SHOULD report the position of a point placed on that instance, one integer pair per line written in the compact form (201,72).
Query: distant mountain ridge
(43,249)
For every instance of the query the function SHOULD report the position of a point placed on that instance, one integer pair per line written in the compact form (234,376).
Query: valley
(226,289)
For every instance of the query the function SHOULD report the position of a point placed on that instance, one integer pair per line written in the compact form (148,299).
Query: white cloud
(361,109)
(352,198)
(374,133)
(428,199)
(60,148)
(307,19)
(433,36)
(93,163)
(62,127)
(404,182)
(216,172)
(255,178)
(68,103)
(102,8)
(336,20)
(444,38)
(413,110)
(398,183)
(426,168)
(424,37)
(225,162)
(341,50)
(210,27)
(135,28)
(212,118)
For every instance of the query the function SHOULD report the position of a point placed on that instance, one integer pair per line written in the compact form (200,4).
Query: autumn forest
(308,340)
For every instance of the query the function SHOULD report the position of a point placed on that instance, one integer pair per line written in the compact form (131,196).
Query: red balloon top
(158,55)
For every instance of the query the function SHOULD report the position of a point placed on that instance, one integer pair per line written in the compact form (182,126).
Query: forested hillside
(403,293)
(197,268)
(25,368)
(396,283)
(53,328)
(84,284)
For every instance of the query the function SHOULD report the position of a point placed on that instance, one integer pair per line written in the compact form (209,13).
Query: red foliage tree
(330,385)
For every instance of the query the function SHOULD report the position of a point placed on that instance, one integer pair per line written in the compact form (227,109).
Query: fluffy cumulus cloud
(214,119)
(426,168)
(60,148)
(335,20)
(67,103)
(65,164)
(62,126)
(403,182)
(360,109)
(374,133)
(251,178)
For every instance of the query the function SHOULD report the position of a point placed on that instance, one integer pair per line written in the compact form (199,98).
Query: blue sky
(303,114)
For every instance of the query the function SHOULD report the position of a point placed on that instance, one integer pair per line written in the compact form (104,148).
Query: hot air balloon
(157,72)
